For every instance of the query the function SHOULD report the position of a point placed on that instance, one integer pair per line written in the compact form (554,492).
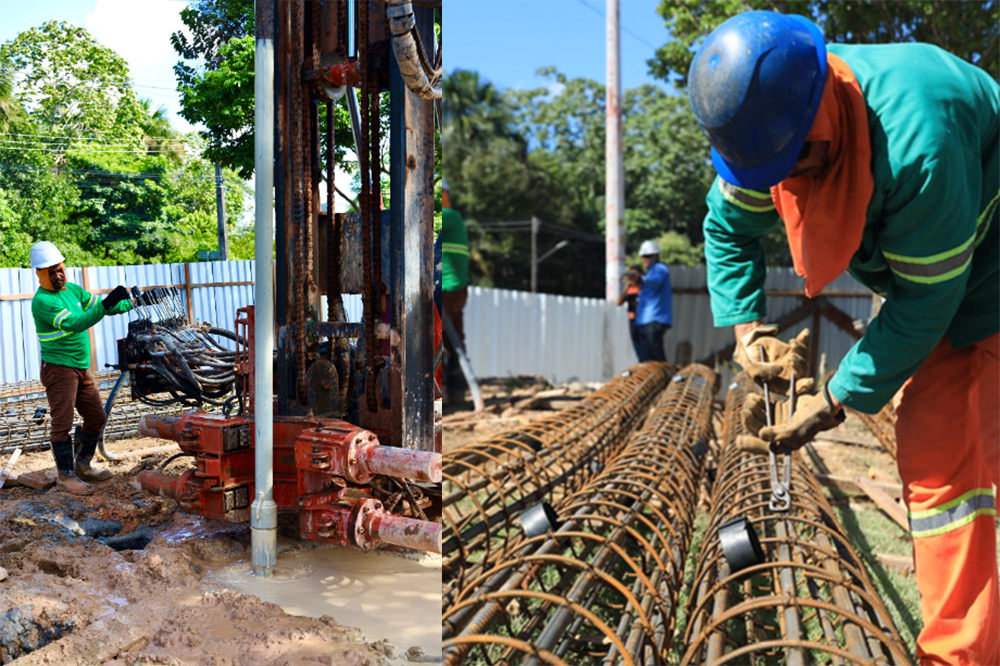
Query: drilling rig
(355,449)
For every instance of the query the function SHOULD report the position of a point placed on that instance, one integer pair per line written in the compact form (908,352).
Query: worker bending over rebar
(883,160)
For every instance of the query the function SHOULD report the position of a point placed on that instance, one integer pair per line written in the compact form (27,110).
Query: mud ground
(117,578)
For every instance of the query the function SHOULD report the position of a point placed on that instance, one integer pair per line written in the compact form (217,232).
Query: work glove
(754,420)
(117,295)
(813,414)
(780,359)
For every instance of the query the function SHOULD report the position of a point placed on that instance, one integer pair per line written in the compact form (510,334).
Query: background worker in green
(63,312)
(454,290)
(882,160)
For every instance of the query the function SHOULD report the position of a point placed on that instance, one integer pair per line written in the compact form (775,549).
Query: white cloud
(139,31)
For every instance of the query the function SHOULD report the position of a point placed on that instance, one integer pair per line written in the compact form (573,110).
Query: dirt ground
(119,578)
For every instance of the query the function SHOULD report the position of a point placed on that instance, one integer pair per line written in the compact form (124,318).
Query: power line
(624,28)
(92,138)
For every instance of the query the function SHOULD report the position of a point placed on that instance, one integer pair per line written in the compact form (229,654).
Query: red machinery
(354,446)
(322,467)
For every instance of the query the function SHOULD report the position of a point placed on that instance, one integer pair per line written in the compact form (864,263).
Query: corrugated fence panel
(563,338)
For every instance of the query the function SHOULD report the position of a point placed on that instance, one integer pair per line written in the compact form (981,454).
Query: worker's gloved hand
(813,414)
(117,295)
(754,420)
(780,359)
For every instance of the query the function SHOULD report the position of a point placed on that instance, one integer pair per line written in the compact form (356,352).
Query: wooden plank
(90,331)
(898,563)
(849,486)
(187,291)
(10,466)
(881,498)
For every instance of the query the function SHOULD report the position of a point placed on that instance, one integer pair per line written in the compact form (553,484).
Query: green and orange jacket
(62,319)
(931,244)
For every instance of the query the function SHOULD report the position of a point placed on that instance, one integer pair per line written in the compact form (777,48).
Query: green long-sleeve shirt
(454,251)
(931,244)
(62,319)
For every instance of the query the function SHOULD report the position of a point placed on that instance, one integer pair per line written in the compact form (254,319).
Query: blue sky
(506,41)
(138,30)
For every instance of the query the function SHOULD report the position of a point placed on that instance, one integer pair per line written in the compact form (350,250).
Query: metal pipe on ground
(488,484)
(601,585)
(809,601)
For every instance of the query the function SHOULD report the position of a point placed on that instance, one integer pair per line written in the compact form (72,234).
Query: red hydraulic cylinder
(407,532)
(403,463)
(163,426)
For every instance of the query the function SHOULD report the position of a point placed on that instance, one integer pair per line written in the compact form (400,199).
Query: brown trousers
(67,388)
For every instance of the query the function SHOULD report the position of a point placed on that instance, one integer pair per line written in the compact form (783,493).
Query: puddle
(387,597)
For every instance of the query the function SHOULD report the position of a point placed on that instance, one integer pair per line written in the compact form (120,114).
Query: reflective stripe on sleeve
(54,335)
(751,200)
(455,248)
(954,514)
(91,302)
(60,318)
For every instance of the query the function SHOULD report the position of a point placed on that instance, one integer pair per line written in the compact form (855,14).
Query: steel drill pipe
(601,586)
(489,483)
(883,426)
(810,601)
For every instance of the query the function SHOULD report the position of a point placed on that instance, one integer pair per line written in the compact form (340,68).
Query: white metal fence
(217,289)
(508,333)
(562,338)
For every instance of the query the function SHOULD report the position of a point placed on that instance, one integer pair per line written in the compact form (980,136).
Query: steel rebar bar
(602,586)
(809,602)
(489,483)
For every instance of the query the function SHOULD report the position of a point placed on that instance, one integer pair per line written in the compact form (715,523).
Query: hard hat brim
(50,264)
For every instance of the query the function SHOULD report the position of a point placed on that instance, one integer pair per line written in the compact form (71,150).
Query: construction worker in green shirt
(882,160)
(454,290)
(63,312)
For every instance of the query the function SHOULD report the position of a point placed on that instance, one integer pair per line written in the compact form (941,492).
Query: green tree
(967,29)
(14,243)
(70,84)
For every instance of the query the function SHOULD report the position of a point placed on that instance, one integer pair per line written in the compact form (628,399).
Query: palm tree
(158,136)
(11,109)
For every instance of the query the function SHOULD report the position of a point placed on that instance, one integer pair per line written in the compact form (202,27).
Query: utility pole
(220,208)
(614,173)
(534,254)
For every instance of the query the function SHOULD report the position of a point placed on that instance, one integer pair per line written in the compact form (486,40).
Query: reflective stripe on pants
(948,433)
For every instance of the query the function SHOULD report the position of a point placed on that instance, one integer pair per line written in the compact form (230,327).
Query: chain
(365,202)
(342,28)
(298,215)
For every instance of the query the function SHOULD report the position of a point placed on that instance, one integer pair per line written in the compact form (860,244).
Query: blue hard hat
(755,87)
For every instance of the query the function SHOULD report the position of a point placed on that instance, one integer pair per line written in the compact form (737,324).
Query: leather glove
(781,359)
(117,295)
(754,420)
(813,414)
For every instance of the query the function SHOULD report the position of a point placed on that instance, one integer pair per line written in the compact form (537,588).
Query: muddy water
(387,597)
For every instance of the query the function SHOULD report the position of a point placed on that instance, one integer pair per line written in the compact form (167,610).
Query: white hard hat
(45,254)
(649,247)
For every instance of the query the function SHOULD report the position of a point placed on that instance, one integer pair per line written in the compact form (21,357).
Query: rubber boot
(66,478)
(86,444)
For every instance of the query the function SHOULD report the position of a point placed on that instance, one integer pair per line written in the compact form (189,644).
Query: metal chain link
(365,202)
(296,134)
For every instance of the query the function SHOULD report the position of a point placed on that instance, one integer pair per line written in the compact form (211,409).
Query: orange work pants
(948,434)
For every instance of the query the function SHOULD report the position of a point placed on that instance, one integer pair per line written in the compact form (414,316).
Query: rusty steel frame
(489,483)
(21,429)
(883,426)
(602,588)
(809,601)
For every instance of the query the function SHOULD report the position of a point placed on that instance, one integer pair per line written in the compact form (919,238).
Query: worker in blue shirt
(654,313)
